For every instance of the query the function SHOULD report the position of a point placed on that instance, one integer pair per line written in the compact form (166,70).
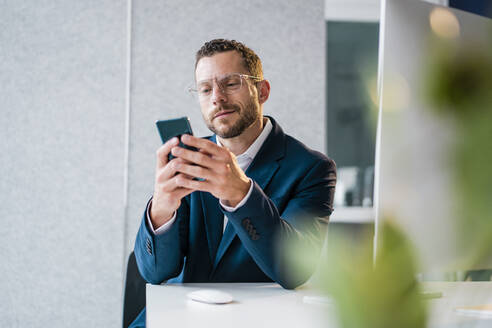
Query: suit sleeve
(264,231)
(161,257)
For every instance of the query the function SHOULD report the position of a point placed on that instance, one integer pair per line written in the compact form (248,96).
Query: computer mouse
(211,296)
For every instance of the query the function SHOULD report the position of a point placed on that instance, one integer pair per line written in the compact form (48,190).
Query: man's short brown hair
(251,60)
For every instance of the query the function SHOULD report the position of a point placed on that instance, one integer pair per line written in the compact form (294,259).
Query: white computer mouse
(211,296)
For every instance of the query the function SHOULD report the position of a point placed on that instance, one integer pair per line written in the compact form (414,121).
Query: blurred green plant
(459,88)
(384,294)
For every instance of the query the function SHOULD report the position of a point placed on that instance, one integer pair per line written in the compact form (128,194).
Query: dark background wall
(480,7)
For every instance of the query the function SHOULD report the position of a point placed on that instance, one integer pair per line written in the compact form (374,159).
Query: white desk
(457,294)
(255,305)
(268,305)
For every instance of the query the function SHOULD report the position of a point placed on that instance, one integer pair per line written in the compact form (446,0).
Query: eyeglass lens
(228,84)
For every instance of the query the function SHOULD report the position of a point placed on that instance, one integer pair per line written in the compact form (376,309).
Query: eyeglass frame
(241,75)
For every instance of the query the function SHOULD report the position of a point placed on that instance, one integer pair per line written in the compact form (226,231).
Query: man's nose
(218,94)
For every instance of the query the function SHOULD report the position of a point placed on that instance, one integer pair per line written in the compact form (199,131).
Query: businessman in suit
(258,188)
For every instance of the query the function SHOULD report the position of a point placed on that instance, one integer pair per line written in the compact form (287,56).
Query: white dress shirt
(243,160)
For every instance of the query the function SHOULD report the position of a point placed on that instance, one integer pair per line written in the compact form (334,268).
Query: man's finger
(204,144)
(163,151)
(184,182)
(170,185)
(194,157)
(196,171)
(168,171)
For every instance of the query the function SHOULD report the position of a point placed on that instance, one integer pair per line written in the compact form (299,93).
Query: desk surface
(269,305)
(458,294)
(254,305)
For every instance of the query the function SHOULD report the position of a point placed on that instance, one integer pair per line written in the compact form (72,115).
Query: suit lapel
(266,161)
(261,170)
(214,222)
(213,217)
(225,242)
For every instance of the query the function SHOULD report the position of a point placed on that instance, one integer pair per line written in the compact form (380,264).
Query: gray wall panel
(289,36)
(62,72)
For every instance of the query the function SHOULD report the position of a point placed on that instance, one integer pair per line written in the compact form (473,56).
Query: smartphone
(175,128)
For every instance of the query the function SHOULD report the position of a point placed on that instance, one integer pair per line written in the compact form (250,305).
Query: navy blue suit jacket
(291,201)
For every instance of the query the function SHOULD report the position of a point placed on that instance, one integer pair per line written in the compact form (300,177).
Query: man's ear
(263,91)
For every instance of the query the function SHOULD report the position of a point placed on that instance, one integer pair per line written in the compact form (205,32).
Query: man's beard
(246,119)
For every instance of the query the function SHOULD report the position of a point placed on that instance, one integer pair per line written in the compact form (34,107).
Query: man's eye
(232,84)
(204,90)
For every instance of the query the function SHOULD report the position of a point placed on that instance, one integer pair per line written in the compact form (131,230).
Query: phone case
(175,128)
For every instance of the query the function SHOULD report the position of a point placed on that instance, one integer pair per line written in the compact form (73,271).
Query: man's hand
(217,166)
(167,192)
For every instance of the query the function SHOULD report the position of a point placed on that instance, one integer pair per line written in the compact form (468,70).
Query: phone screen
(175,128)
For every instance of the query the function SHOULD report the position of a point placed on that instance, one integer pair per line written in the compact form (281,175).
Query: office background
(82,84)
(78,136)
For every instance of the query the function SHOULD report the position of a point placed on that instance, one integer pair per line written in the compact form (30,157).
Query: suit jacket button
(246,222)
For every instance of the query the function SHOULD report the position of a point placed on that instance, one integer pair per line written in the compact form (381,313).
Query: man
(257,187)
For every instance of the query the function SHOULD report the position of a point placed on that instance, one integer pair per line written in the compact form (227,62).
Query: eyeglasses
(228,84)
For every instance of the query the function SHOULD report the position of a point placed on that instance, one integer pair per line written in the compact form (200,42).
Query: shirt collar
(252,150)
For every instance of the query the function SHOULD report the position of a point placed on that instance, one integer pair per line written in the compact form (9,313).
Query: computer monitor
(413,178)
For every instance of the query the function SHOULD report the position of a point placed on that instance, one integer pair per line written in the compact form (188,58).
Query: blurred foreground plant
(384,295)
(459,88)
